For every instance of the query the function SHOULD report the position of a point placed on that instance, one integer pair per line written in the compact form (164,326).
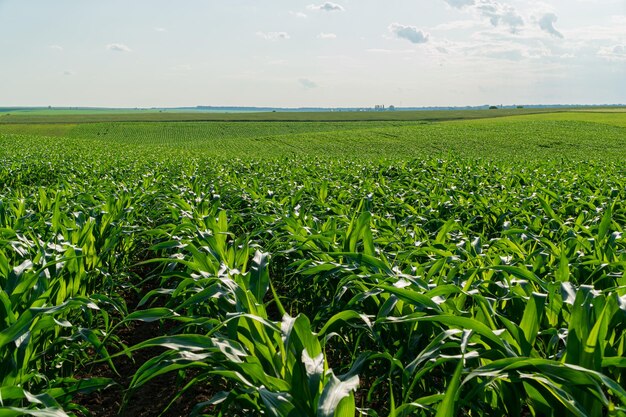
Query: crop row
(317,286)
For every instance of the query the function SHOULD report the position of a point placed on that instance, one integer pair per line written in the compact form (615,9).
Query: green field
(440,264)
(130,115)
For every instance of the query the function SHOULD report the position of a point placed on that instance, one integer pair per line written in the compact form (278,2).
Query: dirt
(153,397)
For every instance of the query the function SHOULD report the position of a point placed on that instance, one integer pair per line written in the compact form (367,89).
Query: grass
(316,268)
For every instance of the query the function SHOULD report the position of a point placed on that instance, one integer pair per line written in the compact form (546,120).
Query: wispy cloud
(390,51)
(118,47)
(68,73)
(546,23)
(459,3)
(306,83)
(299,15)
(160,30)
(613,53)
(273,36)
(457,24)
(501,45)
(611,34)
(325,35)
(327,7)
(56,48)
(410,33)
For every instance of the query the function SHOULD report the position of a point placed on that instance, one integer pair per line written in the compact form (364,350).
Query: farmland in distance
(460,265)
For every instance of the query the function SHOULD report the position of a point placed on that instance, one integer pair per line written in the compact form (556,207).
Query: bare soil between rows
(153,397)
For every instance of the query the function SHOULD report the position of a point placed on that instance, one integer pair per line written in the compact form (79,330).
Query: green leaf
(443,231)
(469,324)
(150,314)
(448,406)
(44,412)
(17,329)
(343,317)
(259,275)
(533,314)
(334,392)
(605,223)
(277,404)
(410,296)
(346,407)
(562,273)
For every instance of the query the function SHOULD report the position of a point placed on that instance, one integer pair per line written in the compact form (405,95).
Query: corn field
(446,283)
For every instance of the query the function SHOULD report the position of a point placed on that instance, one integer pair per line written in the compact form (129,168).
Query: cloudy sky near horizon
(294,53)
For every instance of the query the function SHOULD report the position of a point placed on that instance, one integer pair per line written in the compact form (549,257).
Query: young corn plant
(274,367)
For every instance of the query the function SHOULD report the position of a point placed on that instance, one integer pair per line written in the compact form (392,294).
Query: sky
(292,53)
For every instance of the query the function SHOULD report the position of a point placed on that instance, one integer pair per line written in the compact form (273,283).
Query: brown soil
(152,398)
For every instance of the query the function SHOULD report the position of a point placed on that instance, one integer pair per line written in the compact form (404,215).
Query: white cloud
(391,51)
(306,83)
(458,25)
(613,33)
(410,33)
(68,73)
(118,47)
(613,53)
(56,48)
(272,36)
(546,23)
(503,46)
(497,13)
(460,3)
(326,7)
(298,15)
(324,35)
(160,30)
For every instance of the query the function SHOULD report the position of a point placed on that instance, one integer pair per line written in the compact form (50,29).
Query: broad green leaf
(533,314)
(448,407)
(259,276)
(334,392)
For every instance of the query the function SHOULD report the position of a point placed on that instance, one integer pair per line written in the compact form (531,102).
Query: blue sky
(293,53)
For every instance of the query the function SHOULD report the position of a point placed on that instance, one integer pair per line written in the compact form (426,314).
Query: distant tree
(493,107)
(520,107)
